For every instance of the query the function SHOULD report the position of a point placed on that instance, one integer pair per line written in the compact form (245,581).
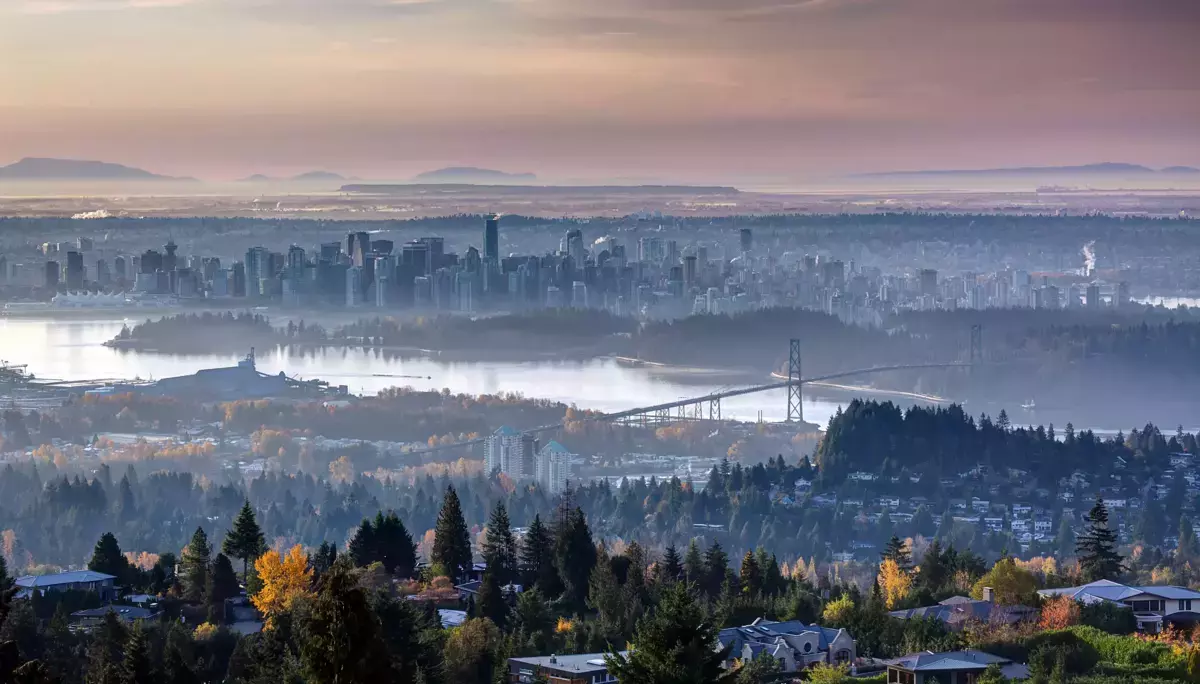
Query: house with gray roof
(957,612)
(584,668)
(951,667)
(1152,606)
(76,580)
(794,644)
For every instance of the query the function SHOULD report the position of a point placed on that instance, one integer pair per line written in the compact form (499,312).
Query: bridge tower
(976,344)
(795,408)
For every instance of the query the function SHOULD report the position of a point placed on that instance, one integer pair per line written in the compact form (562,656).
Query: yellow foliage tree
(284,579)
(838,613)
(894,582)
(342,469)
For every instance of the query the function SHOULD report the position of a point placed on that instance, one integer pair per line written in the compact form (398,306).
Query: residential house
(953,667)
(994,524)
(861,476)
(1021,510)
(957,612)
(585,668)
(1020,525)
(77,580)
(891,502)
(795,645)
(980,505)
(127,614)
(1153,606)
(1043,526)
(1181,460)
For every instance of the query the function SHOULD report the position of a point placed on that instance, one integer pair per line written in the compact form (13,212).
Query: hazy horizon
(702,90)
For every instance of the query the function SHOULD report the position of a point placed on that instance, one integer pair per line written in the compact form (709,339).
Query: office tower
(74,271)
(152,262)
(354,286)
(575,248)
(382,247)
(84,244)
(170,261)
(689,272)
(295,265)
(929,279)
(103,275)
(1092,297)
(237,279)
(436,253)
(258,268)
(52,274)
(1121,295)
(119,271)
(579,295)
(491,239)
(747,240)
(553,468)
(331,252)
(382,282)
(358,245)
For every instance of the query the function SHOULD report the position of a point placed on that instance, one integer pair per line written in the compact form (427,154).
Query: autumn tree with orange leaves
(1059,612)
(284,579)
(894,582)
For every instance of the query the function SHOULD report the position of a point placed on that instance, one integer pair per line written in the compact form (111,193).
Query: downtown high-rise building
(491,239)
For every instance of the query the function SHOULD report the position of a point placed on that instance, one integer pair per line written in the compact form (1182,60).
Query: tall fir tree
(574,556)
(751,575)
(895,550)
(362,545)
(537,559)
(137,667)
(222,585)
(196,561)
(490,602)
(108,559)
(452,539)
(675,644)
(500,546)
(716,567)
(341,640)
(670,568)
(693,563)
(394,545)
(245,541)
(1096,548)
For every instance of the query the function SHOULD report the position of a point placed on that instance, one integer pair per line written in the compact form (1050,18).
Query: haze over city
(709,90)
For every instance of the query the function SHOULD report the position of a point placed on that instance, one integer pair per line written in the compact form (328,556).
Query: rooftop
(74,577)
(583,663)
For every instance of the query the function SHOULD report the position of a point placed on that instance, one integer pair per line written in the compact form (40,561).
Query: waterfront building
(553,467)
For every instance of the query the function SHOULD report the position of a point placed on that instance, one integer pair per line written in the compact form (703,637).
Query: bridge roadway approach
(712,400)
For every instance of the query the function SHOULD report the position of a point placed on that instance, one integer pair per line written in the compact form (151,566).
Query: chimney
(553,659)
(987,594)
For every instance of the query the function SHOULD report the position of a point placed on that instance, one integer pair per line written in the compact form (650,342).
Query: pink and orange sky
(682,89)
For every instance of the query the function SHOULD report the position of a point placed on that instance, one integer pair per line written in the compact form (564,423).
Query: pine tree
(1188,545)
(693,563)
(716,566)
(452,539)
(670,568)
(222,584)
(489,602)
(197,558)
(245,541)
(751,575)
(137,667)
(108,559)
(675,644)
(324,558)
(896,551)
(537,559)
(362,545)
(1096,548)
(105,652)
(574,556)
(341,639)
(394,545)
(500,547)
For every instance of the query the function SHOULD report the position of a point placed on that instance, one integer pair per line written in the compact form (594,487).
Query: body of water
(72,349)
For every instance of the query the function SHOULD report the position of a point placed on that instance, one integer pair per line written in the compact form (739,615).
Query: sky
(666,89)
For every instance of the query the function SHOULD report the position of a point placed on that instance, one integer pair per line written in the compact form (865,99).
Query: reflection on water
(71,349)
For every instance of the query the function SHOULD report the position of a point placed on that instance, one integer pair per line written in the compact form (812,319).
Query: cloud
(65,6)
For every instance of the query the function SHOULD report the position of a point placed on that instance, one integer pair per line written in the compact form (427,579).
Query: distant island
(307,177)
(473,175)
(1101,169)
(42,168)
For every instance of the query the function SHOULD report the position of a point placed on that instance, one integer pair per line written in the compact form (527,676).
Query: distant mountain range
(472,175)
(37,168)
(1102,169)
(309,177)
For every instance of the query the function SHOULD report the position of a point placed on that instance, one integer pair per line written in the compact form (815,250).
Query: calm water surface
(72,349)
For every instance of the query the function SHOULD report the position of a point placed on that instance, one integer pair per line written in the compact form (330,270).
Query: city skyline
(713,90)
